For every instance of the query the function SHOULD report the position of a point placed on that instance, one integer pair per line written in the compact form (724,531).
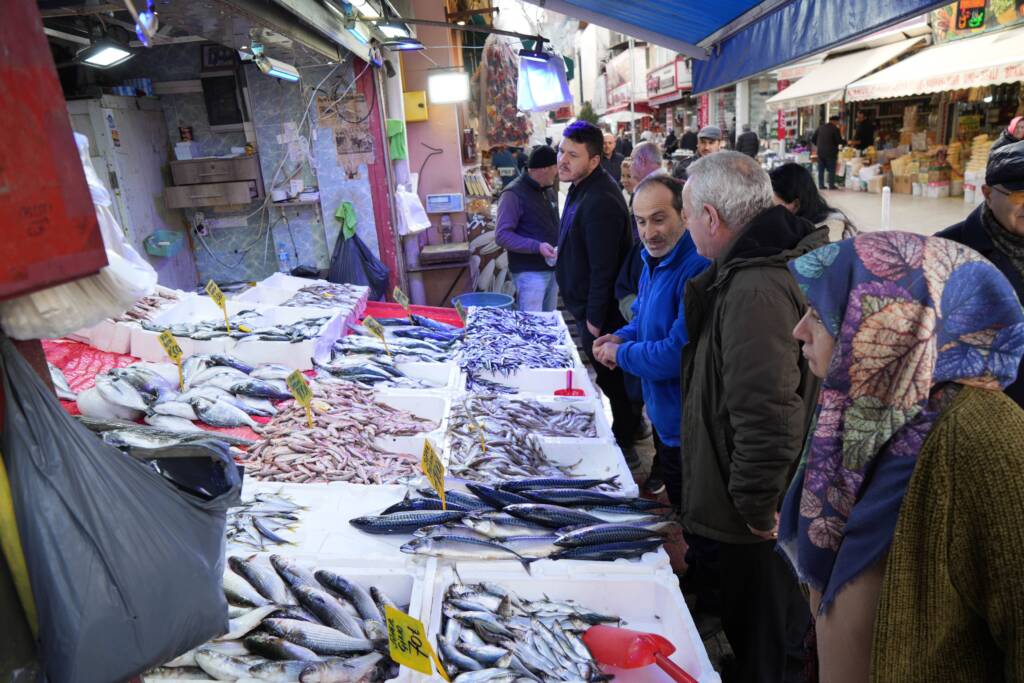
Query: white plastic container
(650,604)
(107,335)
(445,376)
(298,355)
(542,381)
(592,461)
(191,309)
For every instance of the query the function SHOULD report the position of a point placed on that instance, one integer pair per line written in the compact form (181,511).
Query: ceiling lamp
(403,44)
(358,29)
(277,69)
(447,86)
(394,29)
(104,53)
(542,82)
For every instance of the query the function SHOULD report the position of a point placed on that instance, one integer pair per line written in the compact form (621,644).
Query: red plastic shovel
(569,391)
(625,649)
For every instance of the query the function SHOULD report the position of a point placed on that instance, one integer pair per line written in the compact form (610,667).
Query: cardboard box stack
(974,174)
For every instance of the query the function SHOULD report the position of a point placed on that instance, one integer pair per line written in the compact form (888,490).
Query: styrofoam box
(319,503)
(596,461)
(296,355)
(262,295)
(445,375)
(591,405)
(107,335)
(289,282)
(191,308)
(650,604)
(541,381)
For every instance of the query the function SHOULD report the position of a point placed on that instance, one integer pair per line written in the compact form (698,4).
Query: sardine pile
(220,390)
(246,326)
(261,521)
(402,349)
(491,634)
(368,371)
(341,445)
(525,520)
(502,341)
(509,323)
(330,295)
(501,414)
(289,623)
(148,306)
(125,434)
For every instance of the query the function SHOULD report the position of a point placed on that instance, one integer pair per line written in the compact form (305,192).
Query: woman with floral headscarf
(906,515)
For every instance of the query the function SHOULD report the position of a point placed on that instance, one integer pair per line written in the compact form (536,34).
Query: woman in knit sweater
(906,515)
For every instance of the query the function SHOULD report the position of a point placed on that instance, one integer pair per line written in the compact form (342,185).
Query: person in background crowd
(996,228)
(628,184)
(646,162)
(504,165)
(527,228)
(864,133)
(522,158)
(594,238)
(689,140)
(747,143)
(709,141)
(671,143)
(649,346)
(611,160)
(624,144)
(794,189)
(903,518)
(1012,133)
(748,397)
(827,140)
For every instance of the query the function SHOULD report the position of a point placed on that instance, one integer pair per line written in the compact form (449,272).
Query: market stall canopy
(623,117)
(989,59)
(827,82)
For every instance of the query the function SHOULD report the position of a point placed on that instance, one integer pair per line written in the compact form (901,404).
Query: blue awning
(733,39)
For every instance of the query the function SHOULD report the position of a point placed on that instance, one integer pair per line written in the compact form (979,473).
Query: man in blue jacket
(650,345)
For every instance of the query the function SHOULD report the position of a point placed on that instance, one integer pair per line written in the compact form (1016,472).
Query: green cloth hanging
(346,215)
(396,139)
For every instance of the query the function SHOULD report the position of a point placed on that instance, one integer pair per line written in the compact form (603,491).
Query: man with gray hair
(748,399)
(646,160)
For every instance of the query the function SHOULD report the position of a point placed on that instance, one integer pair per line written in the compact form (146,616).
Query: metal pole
(632,93)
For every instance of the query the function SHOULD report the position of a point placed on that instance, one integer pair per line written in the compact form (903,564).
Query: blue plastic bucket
(488,299)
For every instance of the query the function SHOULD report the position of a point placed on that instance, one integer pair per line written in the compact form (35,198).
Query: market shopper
(864,133)
(689,140)
(996,228)
(747,142)
(904,516)
(709,141)
(1011,134)
(527,228)
(624,144)
(611,160)
(671,142)
(794,189)
(628,184)
(594,238)
(649,346)
(827,140)
(504,164)
(747,399)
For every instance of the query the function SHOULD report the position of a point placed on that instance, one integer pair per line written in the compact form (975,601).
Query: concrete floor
(913,214)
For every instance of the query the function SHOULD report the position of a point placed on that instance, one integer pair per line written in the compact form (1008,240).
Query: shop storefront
(668,93)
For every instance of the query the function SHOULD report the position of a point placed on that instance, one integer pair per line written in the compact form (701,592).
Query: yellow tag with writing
(408,643)
(377,330)
(434,469)
(475,424)
(401,298)
(299,387)
(461,310)
(170,345)
(218,298)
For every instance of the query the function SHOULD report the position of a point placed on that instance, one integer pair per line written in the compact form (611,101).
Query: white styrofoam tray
(595,461)
(541,381)
(308,535)
(191,308)
(107,335)
(300,354)
(650,604)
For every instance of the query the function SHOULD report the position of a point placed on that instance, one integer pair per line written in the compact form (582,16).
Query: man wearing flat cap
(996,228)
(528,228)
(709,141)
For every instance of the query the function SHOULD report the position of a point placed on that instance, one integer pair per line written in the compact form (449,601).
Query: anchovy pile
(491,634)
(399,349)
(220,390)
(331,295)
(526,520)
(370,372)
(341,445)
(502,356)
(501,414)
(261,521)
(246,326)
(509,323)
(476,384)
(148,306)
(289,623)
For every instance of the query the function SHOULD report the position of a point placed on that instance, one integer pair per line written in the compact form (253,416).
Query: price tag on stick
(401,298)
(377,330)
(170,345)
(299,387)
(218,298)
(408,643)
(433,468)
(461,310)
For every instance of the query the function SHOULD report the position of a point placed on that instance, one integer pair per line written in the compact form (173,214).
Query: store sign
(662,81)
(684,75)
(970,14)
(618,73)
(972,17)
(703,110)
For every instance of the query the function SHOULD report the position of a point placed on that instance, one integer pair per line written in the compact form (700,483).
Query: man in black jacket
(689,140)
(611,159)
(827,140)
(996,228)
(747,143)
(594,237)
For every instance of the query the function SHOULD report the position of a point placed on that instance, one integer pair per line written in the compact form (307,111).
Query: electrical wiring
(434,151)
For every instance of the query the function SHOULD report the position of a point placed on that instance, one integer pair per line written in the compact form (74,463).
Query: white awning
(989,59)
(827,82)
(623,117)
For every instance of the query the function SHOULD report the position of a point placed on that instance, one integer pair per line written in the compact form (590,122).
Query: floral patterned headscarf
(914,318)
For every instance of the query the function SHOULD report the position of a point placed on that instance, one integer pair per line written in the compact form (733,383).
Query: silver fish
(222,414)
(167,673)
(271,371)
(119,391)
(241,592)
(237,628)
(222,667)
(322,640)
(352,670)
(171,423)
(264,579)
(176,409)
(60,384)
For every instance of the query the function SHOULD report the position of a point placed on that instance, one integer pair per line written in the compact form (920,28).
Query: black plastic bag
(353,263)
(125,568)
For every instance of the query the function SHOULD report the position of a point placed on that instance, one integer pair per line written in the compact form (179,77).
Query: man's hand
(593,329)
(607,355)
(770,535)
(547,251)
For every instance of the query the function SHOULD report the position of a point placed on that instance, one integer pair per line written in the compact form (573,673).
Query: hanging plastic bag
(412,217)
(125,567)
(353,263)
(62,309)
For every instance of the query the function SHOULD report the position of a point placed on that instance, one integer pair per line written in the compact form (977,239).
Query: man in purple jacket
(528,229)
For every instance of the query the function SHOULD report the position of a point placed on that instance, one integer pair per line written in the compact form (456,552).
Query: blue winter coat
(654,339)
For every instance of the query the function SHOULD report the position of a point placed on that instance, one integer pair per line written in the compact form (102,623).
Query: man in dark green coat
(748,396)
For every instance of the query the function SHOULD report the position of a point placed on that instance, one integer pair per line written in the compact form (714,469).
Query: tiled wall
(250,253)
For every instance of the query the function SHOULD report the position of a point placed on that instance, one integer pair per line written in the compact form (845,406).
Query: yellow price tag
(218,298)
(408,643)
(434,469)
(299,387)
(377,330)
(461,310)
(170,345)
(475,424)
(401,298)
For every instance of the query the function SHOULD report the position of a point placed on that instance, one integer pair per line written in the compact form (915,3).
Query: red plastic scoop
(569,391)
(625,649)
